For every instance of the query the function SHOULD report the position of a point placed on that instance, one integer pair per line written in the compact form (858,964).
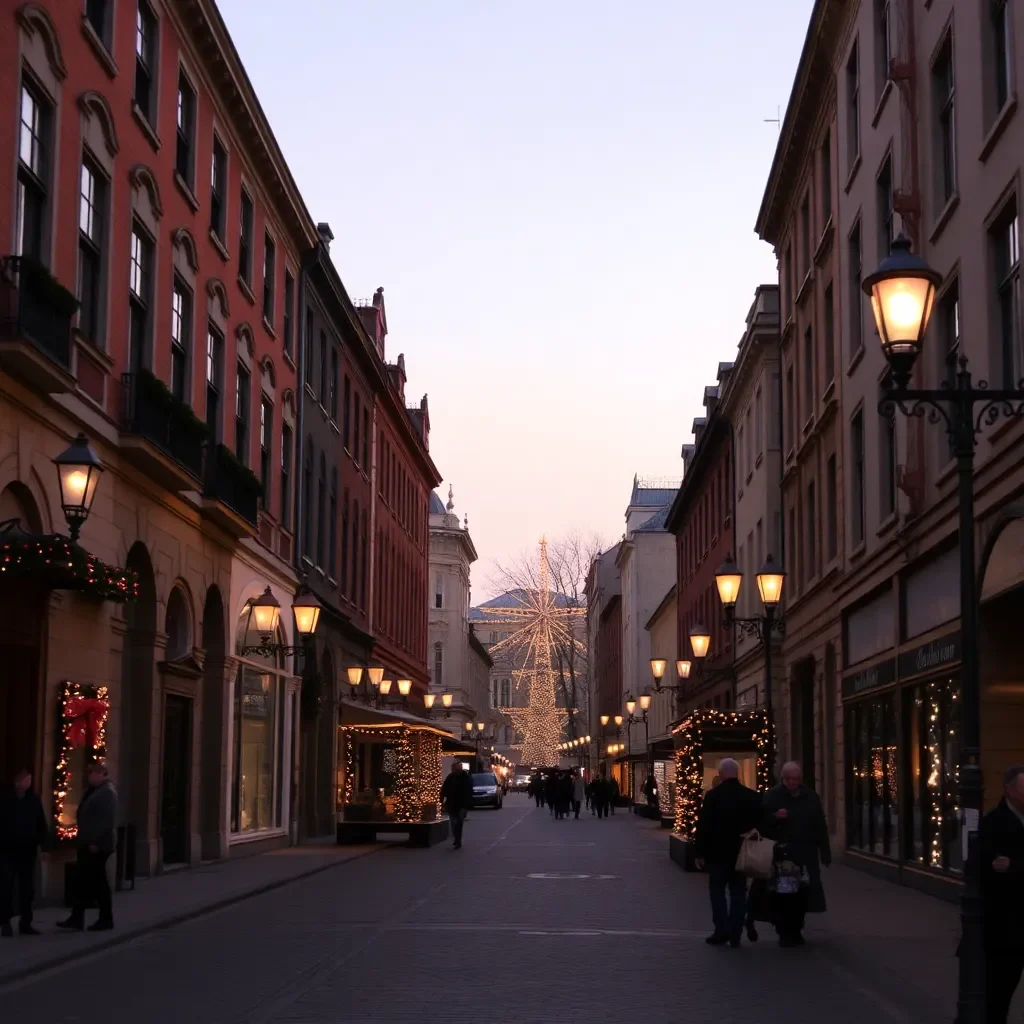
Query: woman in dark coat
(795,819)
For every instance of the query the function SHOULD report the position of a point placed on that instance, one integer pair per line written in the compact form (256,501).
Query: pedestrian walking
(564,794)
(729,811)
(795,819)
(457,798)
(613,794)
(23,831)
(1001,848)
(551,790)
(579,791)
(599,793)
(651,792)
(96,839)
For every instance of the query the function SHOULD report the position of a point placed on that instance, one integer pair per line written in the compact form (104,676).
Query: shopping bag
(755,856)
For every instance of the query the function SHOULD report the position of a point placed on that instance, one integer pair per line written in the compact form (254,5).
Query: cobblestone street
(535,920)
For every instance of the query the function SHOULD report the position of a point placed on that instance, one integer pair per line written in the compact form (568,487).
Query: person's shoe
(717,939)
(799,940)
(27,929)
(6,931)
(751,932)
(101,926)
(72,924)
(734,941)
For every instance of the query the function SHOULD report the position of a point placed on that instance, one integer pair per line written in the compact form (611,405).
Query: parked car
(487,791)
(522,783)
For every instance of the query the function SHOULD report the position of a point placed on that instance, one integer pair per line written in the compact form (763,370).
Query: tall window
(323,367)
(308,354)
(811,529)
(214,380)
(145,60)
(808,371)
(289,310)
(185,154)
(266,443)
(758,429)
(344,543)
(883,43)
(888,468)
(286,476)
(438,678)
(140,269)
(857,478)
(944,96)
(245,239)
(365,560)
(853,107)
(831,509)
(33,168)
(854,265)
(307,501)
(790,411)
(181,337)
(1006,239)
(269,270)
(805,234)
(787,279)
(242,415)
(826,177)
(506,693)
(321,519)
(332,527)
(829,348)
(354,587)
(948,324)
(355,428)
(334,384)
(884,199)
(438,592)
(1001,55)
(218,189)
(97,14)
(366,439)
(92,213)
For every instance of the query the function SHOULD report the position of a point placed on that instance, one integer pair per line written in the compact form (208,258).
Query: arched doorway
(23,616)
(136,732)
(1002,659)
(213,779)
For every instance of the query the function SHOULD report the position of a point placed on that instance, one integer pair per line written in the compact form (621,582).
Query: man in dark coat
(96,839)
(729,810)
(457,799)
(1001,848)
(22,831)
(795,819)
(599,795)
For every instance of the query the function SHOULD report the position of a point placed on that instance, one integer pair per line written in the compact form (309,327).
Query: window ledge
(944,216)
(995,133)
(887,524)
(855,359)
(309,390)
(945,472)
(306,561)
(739,494)
(809,425)
(824,241)
(788,326)
(147,129)
(854,168)
(801,292)
(186,191)
(332,582)
(288,358)
(858,552)
(269,327)
(883,99)
(221,248)
(243,287)
(758,460)
(99,48)
(830,391)
(335,428)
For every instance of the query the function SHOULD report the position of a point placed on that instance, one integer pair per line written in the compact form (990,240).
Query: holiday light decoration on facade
(545,627)
(83,712)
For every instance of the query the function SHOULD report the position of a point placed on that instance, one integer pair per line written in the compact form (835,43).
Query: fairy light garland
(83,711)
(67,565)
(690,763)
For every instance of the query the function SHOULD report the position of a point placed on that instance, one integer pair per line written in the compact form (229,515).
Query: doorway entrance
(174,828)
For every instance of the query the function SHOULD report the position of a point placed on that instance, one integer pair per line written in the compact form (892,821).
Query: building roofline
(662,606)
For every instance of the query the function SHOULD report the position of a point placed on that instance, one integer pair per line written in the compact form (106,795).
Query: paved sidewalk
(166,900)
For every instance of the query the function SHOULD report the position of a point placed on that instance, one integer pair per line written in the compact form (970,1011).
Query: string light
(63,564)
(83,711)
(689,757)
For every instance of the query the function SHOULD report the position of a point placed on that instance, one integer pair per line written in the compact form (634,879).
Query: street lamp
(700,640)
(645,704)
(428,700)
(78,473)
(902,293)
(264,617)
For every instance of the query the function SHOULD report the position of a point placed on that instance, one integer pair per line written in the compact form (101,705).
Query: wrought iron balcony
(231,492)
(160,433)
(35,324)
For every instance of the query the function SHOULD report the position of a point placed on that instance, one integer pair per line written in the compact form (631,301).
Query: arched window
(178,626)
(332,526)
(307,500)
(438,679)
(321,519)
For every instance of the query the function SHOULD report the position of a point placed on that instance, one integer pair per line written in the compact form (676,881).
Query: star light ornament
(545,627)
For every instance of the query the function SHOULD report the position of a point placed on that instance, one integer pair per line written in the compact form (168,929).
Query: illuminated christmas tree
(546,624)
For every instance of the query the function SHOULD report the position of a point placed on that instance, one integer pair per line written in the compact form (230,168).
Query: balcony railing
(231,483)
(149,410)
(36,308)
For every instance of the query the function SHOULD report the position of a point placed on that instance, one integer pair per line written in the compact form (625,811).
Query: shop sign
(878,675)
(930,657)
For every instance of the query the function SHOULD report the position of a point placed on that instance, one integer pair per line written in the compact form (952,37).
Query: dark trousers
(611,804)
(788,916)
(539,799)
(458,819)
(602,808)
(17,868)
(576,805)
(727,914)
(1003,969)
(92,882)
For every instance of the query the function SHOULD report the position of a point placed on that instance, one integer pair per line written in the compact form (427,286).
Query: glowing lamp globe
(605,719)
(355,675)
(265,613)
(78,473)
(618,721)
(683,668)
(630,706)
(658,666)
(306,609)
(700,640)
(385,687)
(446,699)
(769,582)
(428,700)
(376,674)
(645,701)
(404,686)
(728,580)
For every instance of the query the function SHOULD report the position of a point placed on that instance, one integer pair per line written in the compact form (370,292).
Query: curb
(17,974)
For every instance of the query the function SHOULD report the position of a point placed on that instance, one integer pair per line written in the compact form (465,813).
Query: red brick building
(701,518)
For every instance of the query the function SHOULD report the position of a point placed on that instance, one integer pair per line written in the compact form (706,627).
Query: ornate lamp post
(902,293)
(78,473)
(264,616)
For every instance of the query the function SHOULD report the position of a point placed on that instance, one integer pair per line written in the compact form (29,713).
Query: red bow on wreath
(86,715)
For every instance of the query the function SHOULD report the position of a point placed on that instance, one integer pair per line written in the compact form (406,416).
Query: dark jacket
(457,792)
(23,827)
(728,811)
(804,830)
(1002,892)
(97,817)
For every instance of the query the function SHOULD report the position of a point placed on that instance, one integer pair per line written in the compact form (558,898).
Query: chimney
(323,229)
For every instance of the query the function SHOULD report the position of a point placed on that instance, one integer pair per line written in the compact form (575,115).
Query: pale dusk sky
(559,201)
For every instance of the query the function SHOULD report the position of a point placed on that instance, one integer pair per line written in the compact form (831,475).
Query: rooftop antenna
(776,120)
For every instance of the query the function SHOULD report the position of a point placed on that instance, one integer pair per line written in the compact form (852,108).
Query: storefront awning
(356,714)
(662,747)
